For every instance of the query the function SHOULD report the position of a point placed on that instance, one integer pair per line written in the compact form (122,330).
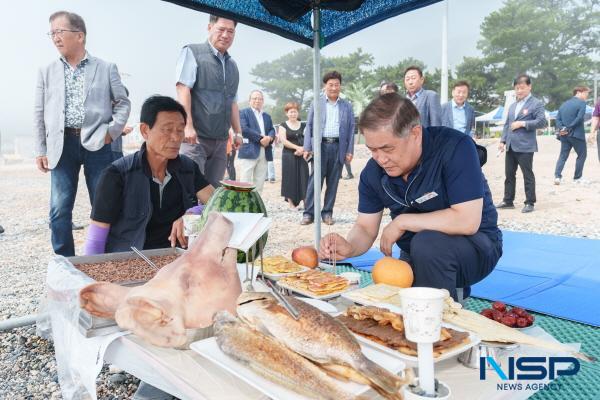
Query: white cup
(422,313)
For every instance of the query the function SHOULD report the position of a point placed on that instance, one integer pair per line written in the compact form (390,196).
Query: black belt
(330,140)
(72,131)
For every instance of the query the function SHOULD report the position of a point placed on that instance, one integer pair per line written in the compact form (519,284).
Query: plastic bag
(78,359)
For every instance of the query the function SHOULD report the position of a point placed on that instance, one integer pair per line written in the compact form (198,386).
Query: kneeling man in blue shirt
(430,179)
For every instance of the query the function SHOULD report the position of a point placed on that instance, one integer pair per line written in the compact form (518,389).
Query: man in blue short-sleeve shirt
(430,179)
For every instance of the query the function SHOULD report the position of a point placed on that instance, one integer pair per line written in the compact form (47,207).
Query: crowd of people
(425,166)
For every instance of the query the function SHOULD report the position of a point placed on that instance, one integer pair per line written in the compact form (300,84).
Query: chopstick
(148,261)
(283,301)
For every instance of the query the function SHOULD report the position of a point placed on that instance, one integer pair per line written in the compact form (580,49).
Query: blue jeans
(331,169)
(63,188)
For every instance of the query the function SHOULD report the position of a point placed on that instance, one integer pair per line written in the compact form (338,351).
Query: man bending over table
(430,179)
(141,198)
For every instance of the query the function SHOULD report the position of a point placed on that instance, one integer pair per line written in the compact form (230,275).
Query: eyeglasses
(59,32)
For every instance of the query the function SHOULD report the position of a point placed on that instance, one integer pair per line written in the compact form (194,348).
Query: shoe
(581,181)
(348,177)
(328,220)
(1,229)
(527,209)
(272,180)
(76,227)
(306,220)
(504,204)
(557,181)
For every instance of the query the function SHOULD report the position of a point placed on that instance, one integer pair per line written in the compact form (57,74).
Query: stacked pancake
(280,265)
(318,283)
(387,328)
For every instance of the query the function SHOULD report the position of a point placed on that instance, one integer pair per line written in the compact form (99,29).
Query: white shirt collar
(457,106)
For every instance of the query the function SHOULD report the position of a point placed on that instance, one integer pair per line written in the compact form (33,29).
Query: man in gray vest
(207,84)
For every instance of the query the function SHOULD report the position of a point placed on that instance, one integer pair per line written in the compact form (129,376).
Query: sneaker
(272,180)
(557,181)
(76,227)
(581,181)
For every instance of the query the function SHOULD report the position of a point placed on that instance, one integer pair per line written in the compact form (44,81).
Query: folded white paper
(248,228)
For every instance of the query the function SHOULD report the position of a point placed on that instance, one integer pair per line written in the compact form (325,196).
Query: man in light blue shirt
(337,145)
(458,113)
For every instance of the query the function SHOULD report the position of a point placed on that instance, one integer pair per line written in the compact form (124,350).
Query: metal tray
(90,325)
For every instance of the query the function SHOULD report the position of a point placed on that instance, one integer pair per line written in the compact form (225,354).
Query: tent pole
(317,124)
(444,86)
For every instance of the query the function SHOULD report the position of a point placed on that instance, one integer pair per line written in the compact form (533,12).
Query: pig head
(183,295)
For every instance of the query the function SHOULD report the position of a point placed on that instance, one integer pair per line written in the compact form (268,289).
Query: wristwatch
(238,136)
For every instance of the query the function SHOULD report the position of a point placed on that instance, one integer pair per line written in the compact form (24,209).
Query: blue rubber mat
(366,261)
(553,275)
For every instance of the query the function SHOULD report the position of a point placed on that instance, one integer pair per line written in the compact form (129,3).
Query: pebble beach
(27,363)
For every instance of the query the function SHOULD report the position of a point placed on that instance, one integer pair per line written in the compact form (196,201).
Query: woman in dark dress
(294,169)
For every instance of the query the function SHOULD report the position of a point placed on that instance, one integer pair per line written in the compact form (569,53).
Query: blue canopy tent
(315,23)
(588,112)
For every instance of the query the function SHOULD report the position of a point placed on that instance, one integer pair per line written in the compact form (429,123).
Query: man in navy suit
(519,140)
(571,133)
(337,145)
(427,101)
(257,128)
(458,113)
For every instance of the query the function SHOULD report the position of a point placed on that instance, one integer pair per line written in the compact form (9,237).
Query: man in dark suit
(571,133)
(337,144)
(519,140)
(427,101)
(257,128)
(458,113)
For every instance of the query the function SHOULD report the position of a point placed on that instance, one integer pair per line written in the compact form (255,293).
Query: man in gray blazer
(337,145)
(80,108)
(458,113)
(519,140)
(427,101)
(571,133)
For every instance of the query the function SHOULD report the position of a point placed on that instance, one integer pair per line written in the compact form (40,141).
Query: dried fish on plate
(271,359)
(316,336)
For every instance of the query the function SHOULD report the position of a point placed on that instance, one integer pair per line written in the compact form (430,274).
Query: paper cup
(422,313)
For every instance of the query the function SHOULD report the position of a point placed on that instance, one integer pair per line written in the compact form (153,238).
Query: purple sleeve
(596,110)
(95,243)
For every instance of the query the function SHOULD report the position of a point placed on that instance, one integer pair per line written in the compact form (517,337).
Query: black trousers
(566,144)
(524,161)
(449,262)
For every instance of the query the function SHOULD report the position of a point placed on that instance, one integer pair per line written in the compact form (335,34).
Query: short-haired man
(257,127)
(571,133)
(443,217)
(426,101)
(388,87)
(458,113)
(524,117)
(337,145)
(80,107)
(594,127)
(142,197)
(207,84)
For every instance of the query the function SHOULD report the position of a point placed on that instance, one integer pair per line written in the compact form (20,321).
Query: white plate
(320,304)
(413,360)
(364,302)
(311,294)
(276,277)
(209,349)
